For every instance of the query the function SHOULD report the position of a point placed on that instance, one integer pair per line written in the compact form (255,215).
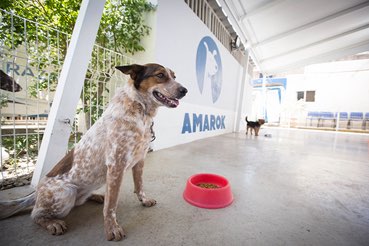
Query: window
(310,96)
(300,95)
(307,96)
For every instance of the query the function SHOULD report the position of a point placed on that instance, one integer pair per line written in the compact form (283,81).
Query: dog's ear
(8,83)
(132,70)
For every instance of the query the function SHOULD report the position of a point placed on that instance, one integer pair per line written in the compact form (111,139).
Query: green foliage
(21,145)
(3,101)
(121,27)
(93,98)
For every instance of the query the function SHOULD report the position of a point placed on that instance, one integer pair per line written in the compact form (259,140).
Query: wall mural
(209,69)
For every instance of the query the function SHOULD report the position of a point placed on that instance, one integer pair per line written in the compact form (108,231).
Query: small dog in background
(254,125)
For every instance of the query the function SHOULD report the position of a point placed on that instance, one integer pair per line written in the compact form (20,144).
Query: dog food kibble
(208,186)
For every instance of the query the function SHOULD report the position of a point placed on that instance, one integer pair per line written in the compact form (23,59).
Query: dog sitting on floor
(254,125)
(119,140)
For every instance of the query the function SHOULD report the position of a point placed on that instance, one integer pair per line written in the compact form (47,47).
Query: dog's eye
(160,75)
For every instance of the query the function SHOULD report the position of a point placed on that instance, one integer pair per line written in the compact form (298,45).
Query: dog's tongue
(173,103)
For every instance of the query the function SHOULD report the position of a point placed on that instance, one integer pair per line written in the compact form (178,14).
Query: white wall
(178,34)
(341,86)
(148,41)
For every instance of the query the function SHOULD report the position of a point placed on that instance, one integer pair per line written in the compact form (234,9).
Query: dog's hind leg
(55,199)
(137,172)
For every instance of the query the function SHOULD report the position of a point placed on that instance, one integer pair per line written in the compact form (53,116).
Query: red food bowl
(209,197)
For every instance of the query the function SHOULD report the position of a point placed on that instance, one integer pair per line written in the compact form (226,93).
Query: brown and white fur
(254,125)
(119,140)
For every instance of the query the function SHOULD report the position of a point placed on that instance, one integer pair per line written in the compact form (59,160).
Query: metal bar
(37,85)
(262,6)
(27,64)
(13,104)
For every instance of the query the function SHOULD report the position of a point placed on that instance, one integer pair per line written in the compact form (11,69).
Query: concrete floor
(294,188)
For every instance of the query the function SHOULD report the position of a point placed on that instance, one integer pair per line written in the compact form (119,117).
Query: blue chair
(327,116)
(343,115)
(355,116)
(312,115)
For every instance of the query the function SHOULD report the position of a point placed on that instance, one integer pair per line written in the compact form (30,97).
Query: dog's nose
(182,91)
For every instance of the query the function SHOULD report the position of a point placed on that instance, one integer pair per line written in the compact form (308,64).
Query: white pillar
(55,141)
(263,103)
(338,120)
(242,94)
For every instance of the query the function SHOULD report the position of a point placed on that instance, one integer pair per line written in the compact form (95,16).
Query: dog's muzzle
(171,102)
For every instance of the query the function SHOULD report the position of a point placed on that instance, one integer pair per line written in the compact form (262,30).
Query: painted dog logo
(209,69)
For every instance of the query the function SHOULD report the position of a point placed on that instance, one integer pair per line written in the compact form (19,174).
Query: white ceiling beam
(316,43)
(323,57)
(262,6)
(313,23)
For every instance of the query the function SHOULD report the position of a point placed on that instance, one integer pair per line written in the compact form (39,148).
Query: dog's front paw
(56,227)
(114,232)
(148,202)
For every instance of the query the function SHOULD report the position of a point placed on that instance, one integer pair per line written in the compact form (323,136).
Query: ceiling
(283,35)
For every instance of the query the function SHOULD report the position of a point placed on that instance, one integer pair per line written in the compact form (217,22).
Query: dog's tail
(8,208)
(246,120)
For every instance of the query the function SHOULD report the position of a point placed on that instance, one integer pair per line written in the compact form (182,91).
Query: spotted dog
(254,125)
(118,141)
